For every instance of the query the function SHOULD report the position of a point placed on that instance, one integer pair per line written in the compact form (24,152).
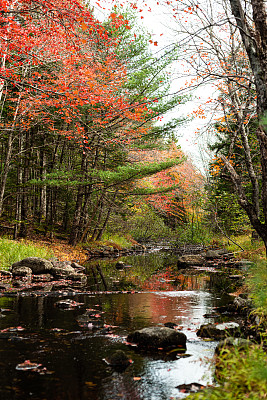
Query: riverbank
(232,384)
(243,371)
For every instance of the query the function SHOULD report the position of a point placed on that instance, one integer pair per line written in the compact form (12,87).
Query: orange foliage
(61,58)
(185,175)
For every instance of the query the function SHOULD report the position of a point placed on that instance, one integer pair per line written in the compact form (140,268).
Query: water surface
(73,353)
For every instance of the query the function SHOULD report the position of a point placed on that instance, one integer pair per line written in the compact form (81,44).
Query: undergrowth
(257,283)
(12,251)
(243,375)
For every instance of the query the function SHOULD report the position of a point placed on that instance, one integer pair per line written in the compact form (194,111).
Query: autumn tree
(70,116)
(66,85)
(219,40)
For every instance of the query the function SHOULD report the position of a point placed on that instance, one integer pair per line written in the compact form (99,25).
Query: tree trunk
(19,190)
(254,39)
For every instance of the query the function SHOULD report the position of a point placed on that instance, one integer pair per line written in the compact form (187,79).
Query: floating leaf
(27,365)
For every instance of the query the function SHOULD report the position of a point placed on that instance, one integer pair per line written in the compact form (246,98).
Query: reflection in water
(151,272)
(74,354)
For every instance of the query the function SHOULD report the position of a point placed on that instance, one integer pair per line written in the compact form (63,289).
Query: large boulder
(219,331)
(158,337)
(190,260)
(36,264)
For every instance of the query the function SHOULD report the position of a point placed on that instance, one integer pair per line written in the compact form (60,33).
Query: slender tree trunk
(26,200)
(76,228)
(18,190)
(102,230)
(43,195)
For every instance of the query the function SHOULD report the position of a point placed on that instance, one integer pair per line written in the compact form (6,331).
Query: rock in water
(219,331)
(158,337)
(189,261)
(118,360)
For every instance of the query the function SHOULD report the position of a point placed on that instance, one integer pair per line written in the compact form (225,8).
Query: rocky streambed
(60,338)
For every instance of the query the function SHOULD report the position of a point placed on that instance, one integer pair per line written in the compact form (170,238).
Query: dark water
(73,354)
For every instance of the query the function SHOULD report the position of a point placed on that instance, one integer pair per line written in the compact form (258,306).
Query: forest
(78,121)
(85,141)
(94,107)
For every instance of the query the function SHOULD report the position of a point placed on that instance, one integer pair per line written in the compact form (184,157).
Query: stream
(71,353)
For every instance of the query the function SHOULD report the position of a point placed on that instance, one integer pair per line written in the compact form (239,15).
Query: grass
(12,251)
(253,250)
(122,241)
(257,284)
(243,375)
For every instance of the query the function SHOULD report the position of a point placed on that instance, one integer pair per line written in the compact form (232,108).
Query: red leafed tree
(60,76)
(183,180)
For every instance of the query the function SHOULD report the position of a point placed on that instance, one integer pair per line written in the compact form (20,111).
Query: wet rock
(190,260)
(91,319)
(158,337)
(118,360)
(11,332)
(171,325)
(36,264)
(106,331)
(22,272)
(5,286)
(62,272)
(211,254)
(93,325)
(5,274)
(61,285)
(230,342)
(77,267)
(18,284)
(241,304)
(190,387)
(219,331)
(42,278)
(78,277)
(27,365)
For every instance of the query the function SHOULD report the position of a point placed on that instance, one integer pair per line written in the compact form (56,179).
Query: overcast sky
(159,23)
